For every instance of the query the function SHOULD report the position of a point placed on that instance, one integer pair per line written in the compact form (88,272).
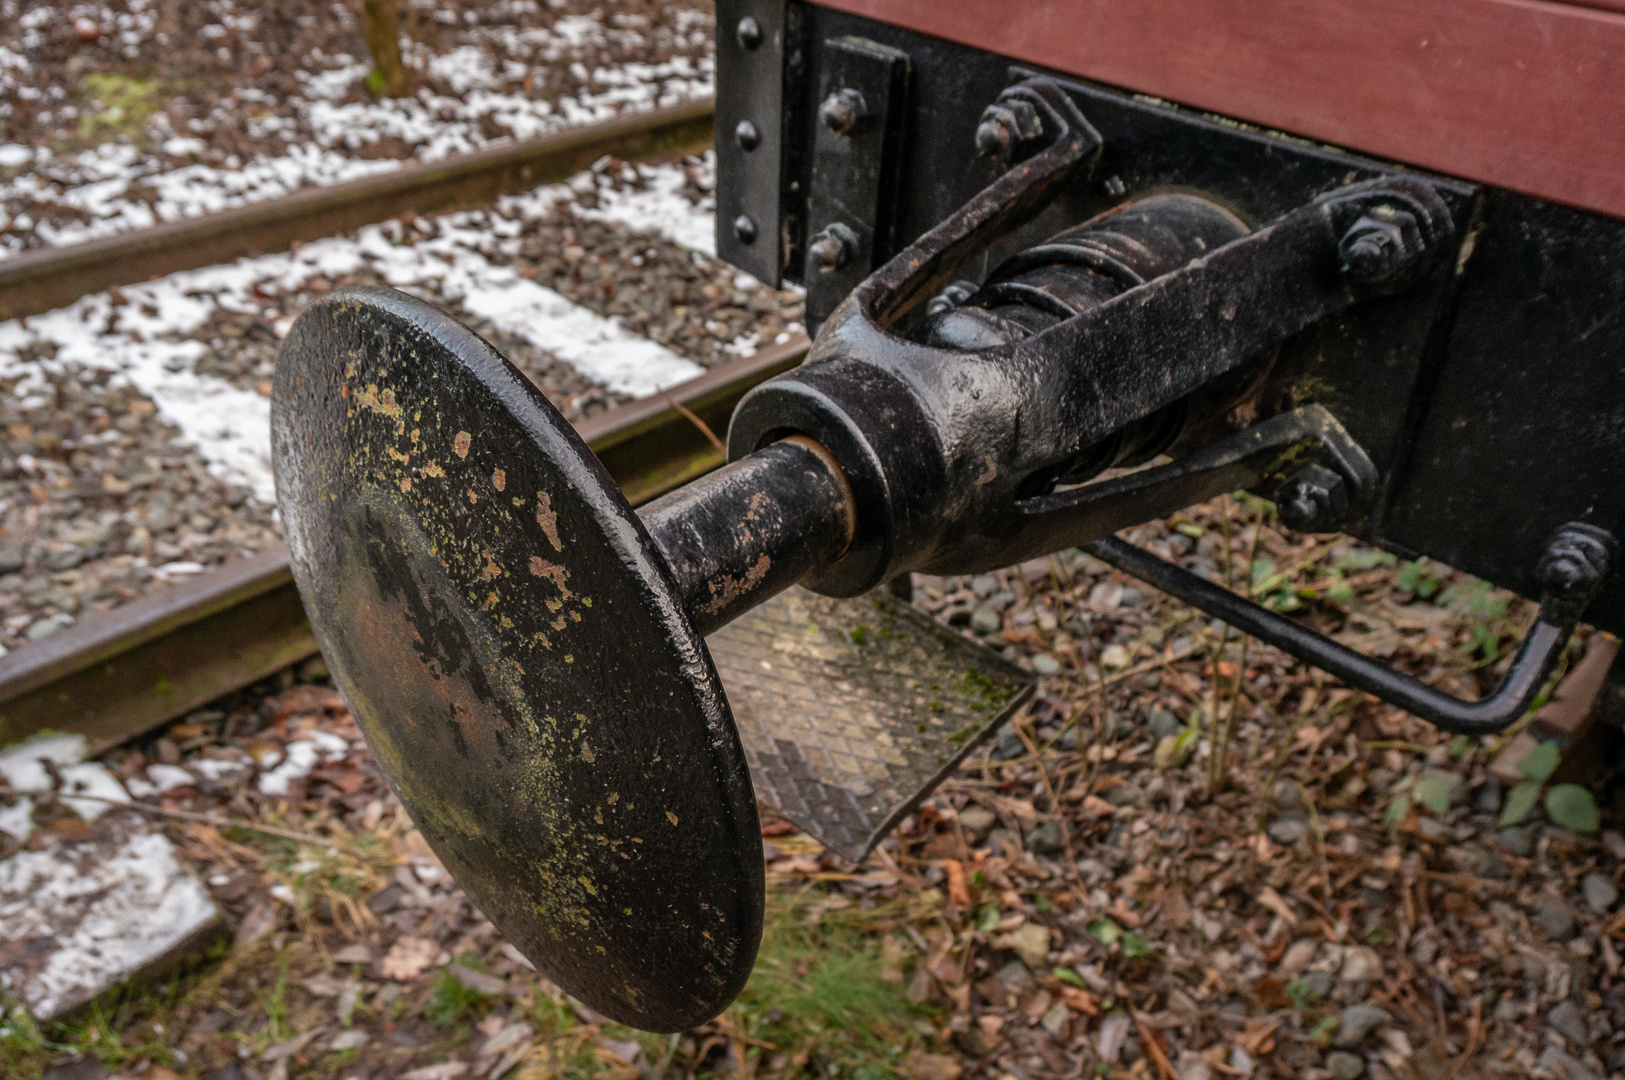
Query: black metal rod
(1539,651)
(751,529)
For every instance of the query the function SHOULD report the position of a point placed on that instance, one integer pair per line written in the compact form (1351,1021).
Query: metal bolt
(1375,249)
(749,33)
(747,136)
(1314,500)
(842,110)
(745,229)
(950,297)
(1575,560)
(832,249)
(1006,129)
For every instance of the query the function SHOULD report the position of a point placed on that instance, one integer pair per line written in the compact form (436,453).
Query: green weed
(116,106)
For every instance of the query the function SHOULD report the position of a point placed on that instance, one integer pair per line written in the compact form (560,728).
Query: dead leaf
(958,886)
(1272,900)
(1081,1000)
(1256,1037)
(1094,804)
(1271,993)
(1174,905)
(408,958)
(923,1066)
(261,920)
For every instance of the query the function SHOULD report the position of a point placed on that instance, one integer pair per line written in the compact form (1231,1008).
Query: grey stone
(983,585)
(1519,840)
(1288,830)
(1487,796)
(1433,830)
(1046,665)
(1001,600)
(1002,840)
(1555,918)
(1599,891)
(1355,1023)
(1093,871)
(1046,839)
(1288,799)
(1125,795)
(1567,1020)
(1070,739)
(77,1069)
(1164,723)
(1557,1063)
(40,629)
(1344,1065)
(1008,744)
(984,620)
(978,821)
(13,556)
(1132,597)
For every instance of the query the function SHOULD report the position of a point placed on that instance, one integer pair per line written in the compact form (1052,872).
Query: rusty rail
(42,280)
(116,675)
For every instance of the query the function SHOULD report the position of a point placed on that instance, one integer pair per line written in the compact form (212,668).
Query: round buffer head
(511,644)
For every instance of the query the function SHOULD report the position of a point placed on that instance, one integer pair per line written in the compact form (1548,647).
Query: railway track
(121,673)
(117,674)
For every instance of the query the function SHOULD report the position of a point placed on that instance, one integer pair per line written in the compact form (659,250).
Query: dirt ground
(1188,858)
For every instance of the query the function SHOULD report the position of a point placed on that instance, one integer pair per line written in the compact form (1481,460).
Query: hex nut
(1314,500)
(1375,249)
(832,249)
(1007,127)
(843,110)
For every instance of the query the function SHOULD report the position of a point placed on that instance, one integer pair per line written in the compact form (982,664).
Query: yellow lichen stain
(499,479)
(415,434)
(543,639)
(344,391)
(548,519)
(568,659)
(612,797)
(473,498)
(576,615)
(554,604)
(671,817)
(588,756)
(433,469)
(555,573)
(586,601)
(395,455)
(491,600)
(558,623)
(507,623)
(586,883)
(637,839)
(384,403)
(598,816)
(406,483)
(491,570)
(517,501)
(460,443)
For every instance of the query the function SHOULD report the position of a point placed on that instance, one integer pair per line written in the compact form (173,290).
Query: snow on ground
(330,138)
(141,332)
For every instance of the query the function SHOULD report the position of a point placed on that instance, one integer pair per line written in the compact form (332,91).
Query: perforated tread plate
(852,711)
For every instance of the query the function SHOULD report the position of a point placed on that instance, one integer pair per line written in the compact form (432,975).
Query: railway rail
(160,656)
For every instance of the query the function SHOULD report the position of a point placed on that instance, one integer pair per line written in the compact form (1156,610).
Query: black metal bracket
(1574,565)
(1264,459)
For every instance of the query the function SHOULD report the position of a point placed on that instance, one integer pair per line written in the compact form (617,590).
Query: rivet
(747,136)
(745,229)
(750,33)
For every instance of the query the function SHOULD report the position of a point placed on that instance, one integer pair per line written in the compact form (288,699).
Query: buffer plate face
(511,644)
(851,711)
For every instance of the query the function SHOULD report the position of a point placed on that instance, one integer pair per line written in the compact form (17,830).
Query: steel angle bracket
(852,711)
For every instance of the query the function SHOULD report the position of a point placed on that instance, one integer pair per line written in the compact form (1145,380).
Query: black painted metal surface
(516,653)
(752,529)
(1489,399)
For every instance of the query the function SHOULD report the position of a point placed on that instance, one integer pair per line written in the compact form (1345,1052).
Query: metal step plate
(852,711)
